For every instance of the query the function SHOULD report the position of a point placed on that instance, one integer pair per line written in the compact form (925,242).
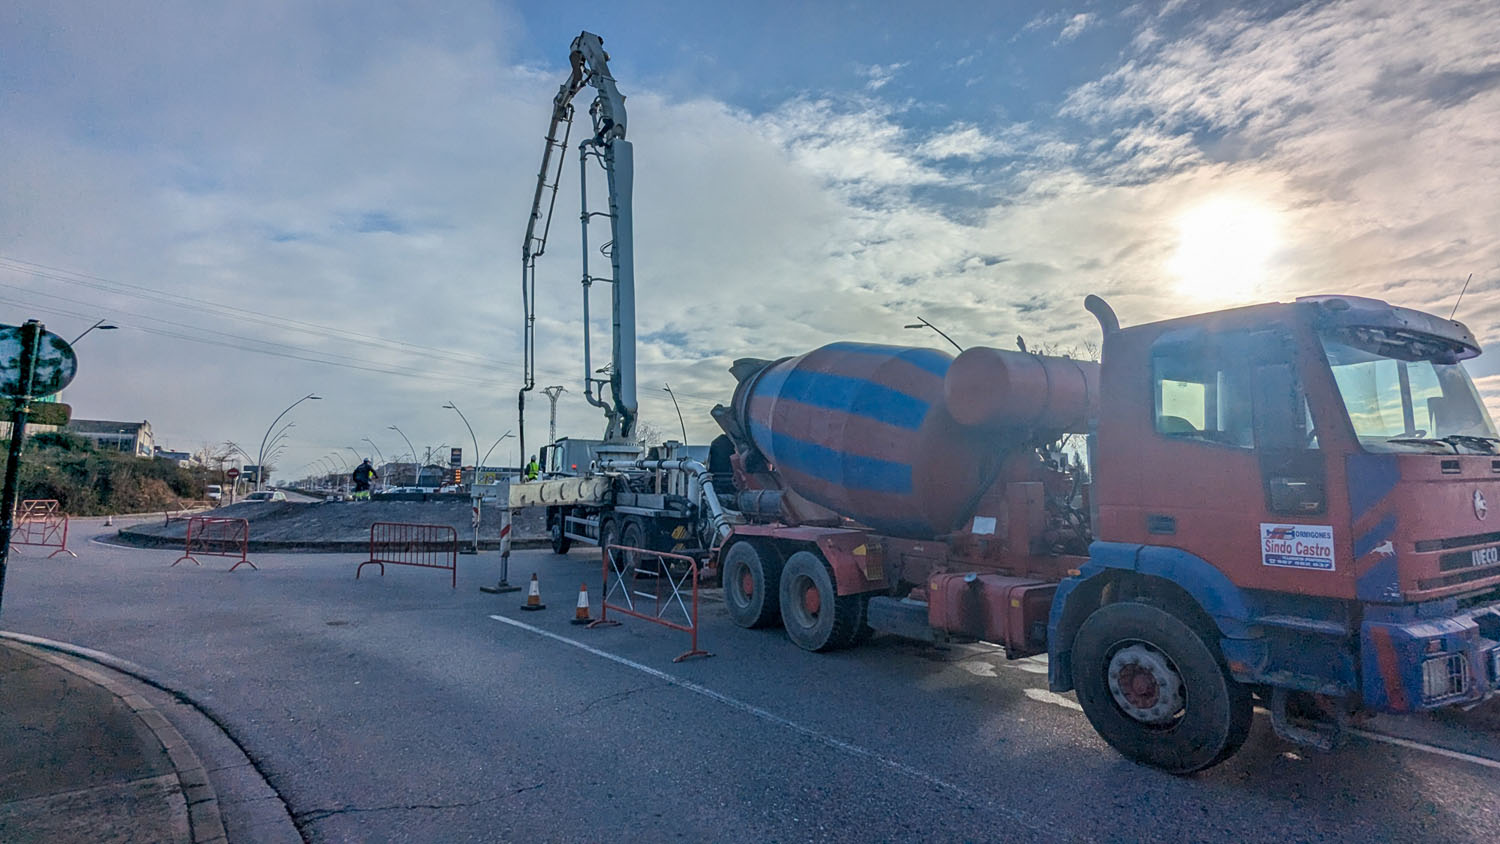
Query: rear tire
(1156,690)
(816,617)
(560,542)
(752,584)
(609,534)
(633,535)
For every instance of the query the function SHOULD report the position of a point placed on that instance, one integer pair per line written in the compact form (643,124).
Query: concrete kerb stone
(205,821)
(204,825)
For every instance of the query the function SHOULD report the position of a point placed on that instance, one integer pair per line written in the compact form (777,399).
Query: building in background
(127,437)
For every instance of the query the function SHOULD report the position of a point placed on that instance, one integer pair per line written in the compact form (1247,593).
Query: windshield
(1397,404)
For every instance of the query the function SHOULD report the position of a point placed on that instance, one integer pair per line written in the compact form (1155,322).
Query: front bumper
(1416,664)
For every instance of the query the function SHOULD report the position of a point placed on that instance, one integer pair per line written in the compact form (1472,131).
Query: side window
(1201,396)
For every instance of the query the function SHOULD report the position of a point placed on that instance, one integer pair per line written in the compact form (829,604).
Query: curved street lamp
(417,470)
(923,323)
(453,407)
(668,388)
(101,325)
(260,466)
(487,453)
(376,447)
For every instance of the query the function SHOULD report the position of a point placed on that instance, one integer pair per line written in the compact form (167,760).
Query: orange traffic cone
(582,615)
(534,596)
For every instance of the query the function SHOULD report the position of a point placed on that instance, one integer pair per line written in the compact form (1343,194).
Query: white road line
(1044,696)
(1032,823)
(1427,748)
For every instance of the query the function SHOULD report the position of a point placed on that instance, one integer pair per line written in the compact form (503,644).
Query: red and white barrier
(422,546)
(675,578)
(41,522)
(214,537)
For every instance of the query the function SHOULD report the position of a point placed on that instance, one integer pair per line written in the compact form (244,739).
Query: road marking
(1044,696)
(1038,665)
(1025,819)
(1426,748)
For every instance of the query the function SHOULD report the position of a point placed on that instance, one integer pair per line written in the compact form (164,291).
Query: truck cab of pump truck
(1313,480)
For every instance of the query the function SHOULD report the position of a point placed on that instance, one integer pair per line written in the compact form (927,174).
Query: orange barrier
(213,537)
(422,546)
(673,574)
(41,522)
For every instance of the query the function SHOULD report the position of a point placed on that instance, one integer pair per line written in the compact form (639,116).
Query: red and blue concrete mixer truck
(1286,502)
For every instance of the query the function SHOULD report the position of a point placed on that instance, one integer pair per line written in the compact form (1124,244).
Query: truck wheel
(633,535)
(1155,690)
(560,543)
(609,534)
(816,617)
(752,584)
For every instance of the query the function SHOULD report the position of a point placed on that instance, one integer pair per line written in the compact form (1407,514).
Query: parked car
(214,492)
(266,495)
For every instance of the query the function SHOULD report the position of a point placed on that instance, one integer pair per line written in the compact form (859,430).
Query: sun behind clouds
(1224,250)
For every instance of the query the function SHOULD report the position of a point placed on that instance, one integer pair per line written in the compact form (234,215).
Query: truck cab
(1308,484)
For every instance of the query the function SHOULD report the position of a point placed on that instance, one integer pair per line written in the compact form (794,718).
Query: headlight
(1444,676)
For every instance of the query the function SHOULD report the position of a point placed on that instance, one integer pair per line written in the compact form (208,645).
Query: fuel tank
(866,430)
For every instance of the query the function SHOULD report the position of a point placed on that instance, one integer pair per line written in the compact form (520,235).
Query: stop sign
(232,473)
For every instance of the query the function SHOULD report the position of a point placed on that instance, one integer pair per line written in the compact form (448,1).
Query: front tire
(816,617)
(752,584)
(1156,690)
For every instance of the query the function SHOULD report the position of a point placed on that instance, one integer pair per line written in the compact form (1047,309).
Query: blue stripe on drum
(930,360)
(854,396)
(849,470)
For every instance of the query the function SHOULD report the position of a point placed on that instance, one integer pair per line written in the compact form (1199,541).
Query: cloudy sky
(278,198)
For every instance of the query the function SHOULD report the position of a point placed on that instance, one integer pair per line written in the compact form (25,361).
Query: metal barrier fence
(422,546)
(625,568)
(215,537)
(41,522)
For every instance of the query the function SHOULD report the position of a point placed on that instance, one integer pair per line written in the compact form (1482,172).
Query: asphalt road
(396,709)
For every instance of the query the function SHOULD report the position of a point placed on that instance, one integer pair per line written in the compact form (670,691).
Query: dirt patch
(344,526)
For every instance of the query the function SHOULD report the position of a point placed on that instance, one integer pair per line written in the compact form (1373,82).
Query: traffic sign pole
(31,338)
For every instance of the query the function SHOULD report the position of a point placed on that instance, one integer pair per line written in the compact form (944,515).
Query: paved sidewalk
(85,755)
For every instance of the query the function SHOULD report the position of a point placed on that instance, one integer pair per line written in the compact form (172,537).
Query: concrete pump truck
(606,491)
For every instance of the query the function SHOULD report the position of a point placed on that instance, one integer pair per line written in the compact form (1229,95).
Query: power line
(294,352)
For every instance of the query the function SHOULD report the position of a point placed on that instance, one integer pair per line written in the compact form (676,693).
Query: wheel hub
(747,584)
(811,600)
(1145,684)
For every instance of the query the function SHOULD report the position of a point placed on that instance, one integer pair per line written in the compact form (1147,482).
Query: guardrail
(673,574)
(420,546)
(215,537)
(41,522)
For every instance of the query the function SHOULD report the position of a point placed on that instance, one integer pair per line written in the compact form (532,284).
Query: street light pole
(668,388)
(417,476)
(473,491)
(492,448)
(377,449)
(923,323)
(260,466)
(99,325)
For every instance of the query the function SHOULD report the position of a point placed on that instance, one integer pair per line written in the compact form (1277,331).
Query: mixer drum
(863,430)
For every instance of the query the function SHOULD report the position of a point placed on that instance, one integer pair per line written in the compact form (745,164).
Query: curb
(133,539)
(205,824)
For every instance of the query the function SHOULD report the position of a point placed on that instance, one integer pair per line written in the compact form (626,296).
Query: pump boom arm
(589,67)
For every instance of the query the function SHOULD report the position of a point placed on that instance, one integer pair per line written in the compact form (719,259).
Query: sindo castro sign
(1297,546)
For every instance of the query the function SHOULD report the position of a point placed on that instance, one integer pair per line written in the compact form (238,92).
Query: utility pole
(552,393)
